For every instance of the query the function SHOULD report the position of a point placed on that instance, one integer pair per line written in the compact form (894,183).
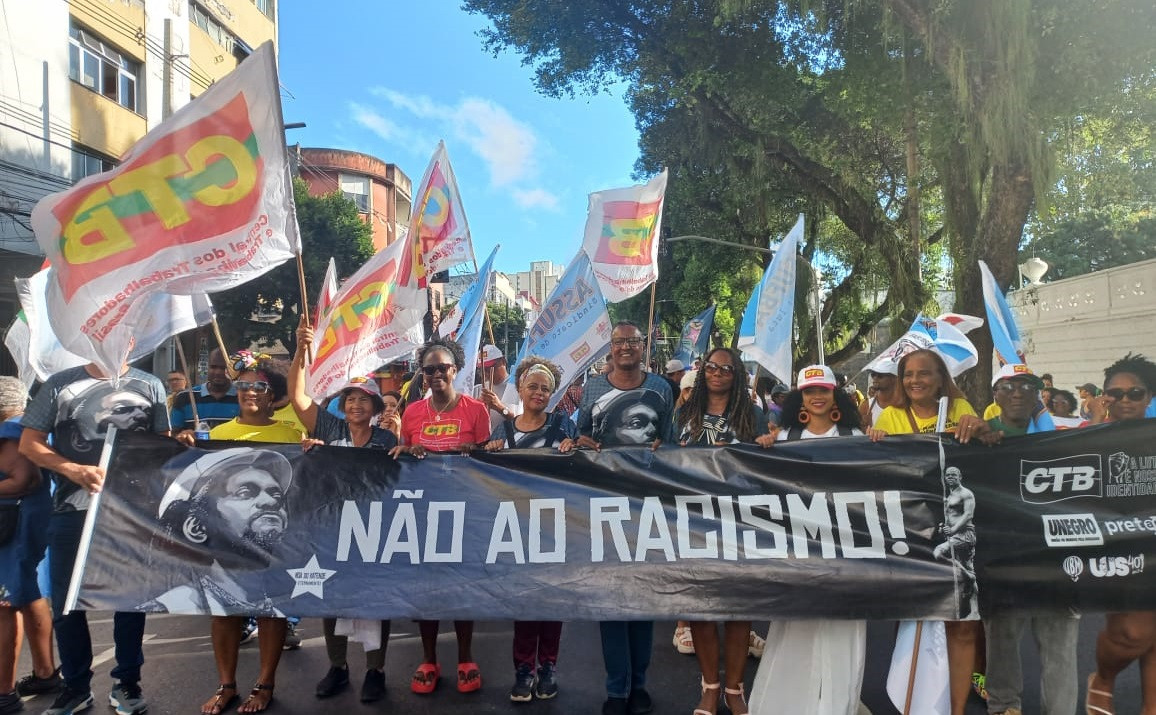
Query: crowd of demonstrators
(446,421)
(813,666)
(809,666)
(536,643)
(25,507)
(64,431)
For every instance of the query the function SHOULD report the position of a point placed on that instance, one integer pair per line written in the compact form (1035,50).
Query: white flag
(202,203)
(474,318)
(622,229)
(765,331)
(931,695)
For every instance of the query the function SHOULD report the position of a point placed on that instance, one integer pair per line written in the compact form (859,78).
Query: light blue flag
(469,335)
(765,332)
(1009,347)
(695,338)
(957,351)
(573,329)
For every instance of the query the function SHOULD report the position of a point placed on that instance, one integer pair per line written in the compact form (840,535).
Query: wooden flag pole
(304,304)
(221,342)
(914,666)
(189,380)
(486,305)
(650,326)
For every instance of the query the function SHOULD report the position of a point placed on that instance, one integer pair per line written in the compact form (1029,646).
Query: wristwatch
(506,412)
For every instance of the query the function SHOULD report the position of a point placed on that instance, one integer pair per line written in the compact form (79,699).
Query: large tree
(907,121)
(267,309)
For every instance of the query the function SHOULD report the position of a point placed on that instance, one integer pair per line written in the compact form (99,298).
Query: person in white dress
(813,667)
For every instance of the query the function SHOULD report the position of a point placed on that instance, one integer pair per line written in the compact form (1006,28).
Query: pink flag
(438,222)
(328,291)
(622,229)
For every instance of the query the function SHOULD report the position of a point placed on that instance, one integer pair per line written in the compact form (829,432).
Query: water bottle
(201,433)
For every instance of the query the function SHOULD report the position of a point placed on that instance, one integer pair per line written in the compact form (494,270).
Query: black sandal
(220,703)
(254,694)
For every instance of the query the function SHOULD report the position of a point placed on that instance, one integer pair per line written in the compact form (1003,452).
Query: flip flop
(220,703)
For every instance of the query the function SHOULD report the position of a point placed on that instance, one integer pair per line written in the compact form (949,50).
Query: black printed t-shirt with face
(614,417)
(334,431)
(76,410)
(717,428)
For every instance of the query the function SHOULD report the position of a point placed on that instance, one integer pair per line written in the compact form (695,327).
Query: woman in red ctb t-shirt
(444,422)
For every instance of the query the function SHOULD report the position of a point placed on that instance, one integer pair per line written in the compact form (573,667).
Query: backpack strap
(554,431)
(844,431)
(794,433)
(508,425)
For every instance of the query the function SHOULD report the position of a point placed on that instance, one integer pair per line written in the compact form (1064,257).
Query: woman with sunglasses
(924,379)
(535,641)
(831,653)
(446,421)
(259,384)
(720,411)
(1129,384)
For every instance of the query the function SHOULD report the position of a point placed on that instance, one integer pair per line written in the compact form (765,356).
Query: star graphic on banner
(310,578)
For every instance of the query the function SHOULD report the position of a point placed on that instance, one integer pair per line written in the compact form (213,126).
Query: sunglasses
(1009,387)
(431,370)
(713,368)
(626,342)
(1135,394)
(259,386)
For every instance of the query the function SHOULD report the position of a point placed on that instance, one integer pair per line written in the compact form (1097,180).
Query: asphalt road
(179,673)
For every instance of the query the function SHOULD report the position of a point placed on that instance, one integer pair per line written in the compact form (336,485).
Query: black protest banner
(911,527)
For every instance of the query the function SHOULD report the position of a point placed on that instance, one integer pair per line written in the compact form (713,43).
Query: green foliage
(330,226)
(1093,242)
(509,325)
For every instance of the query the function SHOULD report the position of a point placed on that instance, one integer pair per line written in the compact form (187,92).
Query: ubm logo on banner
(1072,530)
(1059,479)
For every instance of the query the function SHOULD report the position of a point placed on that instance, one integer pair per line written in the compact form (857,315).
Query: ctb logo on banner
(1059,479)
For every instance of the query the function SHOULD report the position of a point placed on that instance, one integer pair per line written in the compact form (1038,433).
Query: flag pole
(189,380)
(220,340)
(304,304)
(486,305)
(914,666)
(650,325)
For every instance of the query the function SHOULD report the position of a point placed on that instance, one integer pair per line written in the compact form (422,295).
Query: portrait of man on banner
(224,514)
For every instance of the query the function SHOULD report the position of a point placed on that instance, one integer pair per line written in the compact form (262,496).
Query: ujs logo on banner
(1055,480)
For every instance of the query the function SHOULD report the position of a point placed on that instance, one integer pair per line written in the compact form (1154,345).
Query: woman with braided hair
(720,411)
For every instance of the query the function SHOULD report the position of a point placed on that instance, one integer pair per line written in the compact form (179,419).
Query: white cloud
(375,123)
(507,146)
(536,198)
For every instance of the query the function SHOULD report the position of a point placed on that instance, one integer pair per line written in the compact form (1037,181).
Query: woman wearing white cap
(813,667)
(360,401)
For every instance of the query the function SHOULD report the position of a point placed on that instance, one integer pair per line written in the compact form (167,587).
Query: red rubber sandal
(425,678)
(469,677)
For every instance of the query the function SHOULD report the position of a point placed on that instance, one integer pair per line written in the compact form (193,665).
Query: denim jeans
(72,637)
(1056,636)
(626,649)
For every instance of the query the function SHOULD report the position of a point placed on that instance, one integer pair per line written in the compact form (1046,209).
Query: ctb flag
(202,203)
(622,228)
(438,225)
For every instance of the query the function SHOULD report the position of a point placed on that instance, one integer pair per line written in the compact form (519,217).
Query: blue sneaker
(127,699)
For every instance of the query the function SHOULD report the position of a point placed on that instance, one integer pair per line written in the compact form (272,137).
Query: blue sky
(390,79)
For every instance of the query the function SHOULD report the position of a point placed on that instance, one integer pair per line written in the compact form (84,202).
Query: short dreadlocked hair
(1133,364)
(740,408)
(445,345)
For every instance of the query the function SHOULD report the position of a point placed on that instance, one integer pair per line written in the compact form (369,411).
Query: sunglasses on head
(713,367)
(1135,394)
(258,386)
(431,370)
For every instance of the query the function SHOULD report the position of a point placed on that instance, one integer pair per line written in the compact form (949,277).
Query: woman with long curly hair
(446,421)
(720,411)
(813,667)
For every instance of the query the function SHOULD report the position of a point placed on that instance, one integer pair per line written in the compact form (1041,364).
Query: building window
(265,6)
(356,189)
(86,162)
(100,67)
(201,17)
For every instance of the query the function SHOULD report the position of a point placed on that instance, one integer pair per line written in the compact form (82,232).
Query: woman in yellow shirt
(925,379)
